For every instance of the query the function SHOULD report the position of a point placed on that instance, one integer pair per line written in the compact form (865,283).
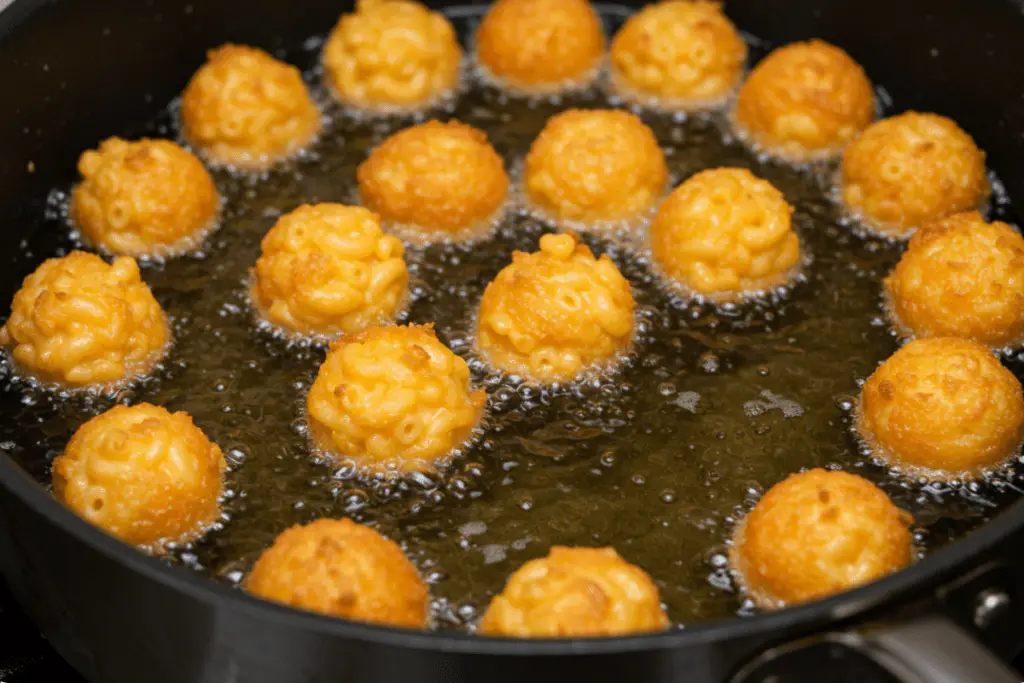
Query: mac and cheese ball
(678,55)
(575,593)
(392,55)
(245,109)
(555,313)
(540,46)
(393,397)
(435,181)
(143,474)
(961,277)
(818,533)
(145,198)
(328,269)
(343,569)
(78,322)
(804,102)
(905,171)
(942,408)
(596,166)
(725,233)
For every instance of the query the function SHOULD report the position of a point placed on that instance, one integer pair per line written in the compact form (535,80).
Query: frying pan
(72,73)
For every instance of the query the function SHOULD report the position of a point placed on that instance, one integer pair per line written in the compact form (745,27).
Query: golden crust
(678,55)
(541,46)
(392,55)
(143,198)
(393,396)
(143,474)
(724,233)
(961,277)
(576,592)
(77,321)
(328,269)
(908,170)
(555,313)
(944,408)
(245,109)
(595,166)
(818,533)
(435,181)
(344,569)
(804,101)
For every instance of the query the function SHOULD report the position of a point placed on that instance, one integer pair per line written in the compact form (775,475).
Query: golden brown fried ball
(344,569)
(245,109)
(540,46)
(392,55)
(143,474)
(961,277)
(435,181)
(393,397)
(328,269)
(574,593)
(942,408)
(77,321)
(678,55)
(905,171)
(819,533)
(725,233)
(594,167)
(144,198)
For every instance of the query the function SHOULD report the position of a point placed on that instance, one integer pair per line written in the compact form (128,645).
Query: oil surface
(657,461)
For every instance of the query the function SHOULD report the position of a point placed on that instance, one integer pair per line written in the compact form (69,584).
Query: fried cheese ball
(343,569)
(595,167)
(144,198)
(328,269)
(78,322)
(961,277)
(804,102)
(555,313)
(575,593)
(393,397)
(905,171)
(943,408)
(725,233)
(245,109)
(392,55)
(143,474)
(538,47)
(818,533)
(435,182)
(680,55)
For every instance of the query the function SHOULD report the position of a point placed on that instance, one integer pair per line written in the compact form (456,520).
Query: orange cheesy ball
(343,569)
(393,397)
(942,408)
(818,533)
(678,55)
(908,170)
(804,102)
(328,269)
(553,314)
(435,182)
(245,109)
(595,167)
(78,322)
(392,55)
(576,593)
(148,198)
(143,474)
(725,234)
(537,47)
(961,277)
